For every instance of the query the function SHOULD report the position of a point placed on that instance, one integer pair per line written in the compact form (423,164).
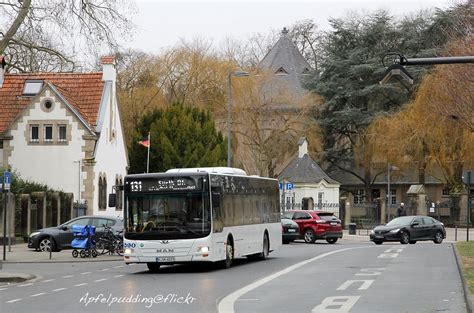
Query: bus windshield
(168,216)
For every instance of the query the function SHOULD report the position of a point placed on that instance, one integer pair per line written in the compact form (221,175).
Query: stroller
(84,243)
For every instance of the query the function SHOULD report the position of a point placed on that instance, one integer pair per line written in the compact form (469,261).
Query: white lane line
(24,285)
(85,273)
(59,289)
(45,281)
(104,269)
(98,280)
(118,266)
(227,303)
(14,300)
(78,285)
(68,276)
(3,289)
(118,276)
(38,294)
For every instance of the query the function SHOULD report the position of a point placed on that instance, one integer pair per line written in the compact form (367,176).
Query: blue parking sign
(280,186)
(289,186)
(7,178)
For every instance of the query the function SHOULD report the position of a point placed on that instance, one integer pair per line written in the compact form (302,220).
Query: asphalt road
(345,277)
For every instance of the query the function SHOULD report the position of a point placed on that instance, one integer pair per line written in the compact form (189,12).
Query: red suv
(316,225)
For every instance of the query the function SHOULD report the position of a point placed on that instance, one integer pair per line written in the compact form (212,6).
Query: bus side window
(216,213)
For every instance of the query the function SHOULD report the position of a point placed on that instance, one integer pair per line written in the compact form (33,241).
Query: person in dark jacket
(401,211)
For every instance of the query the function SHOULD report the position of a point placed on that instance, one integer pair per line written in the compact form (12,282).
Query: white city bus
(199,215)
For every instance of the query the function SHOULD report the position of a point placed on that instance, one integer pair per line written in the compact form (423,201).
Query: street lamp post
(229,117)
(389,194)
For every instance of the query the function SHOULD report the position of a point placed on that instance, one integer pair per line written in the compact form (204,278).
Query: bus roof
(211,170)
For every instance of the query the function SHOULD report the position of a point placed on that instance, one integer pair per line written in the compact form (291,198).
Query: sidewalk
(21,254)
(451,236)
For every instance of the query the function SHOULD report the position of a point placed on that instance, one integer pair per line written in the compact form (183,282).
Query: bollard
(456,233)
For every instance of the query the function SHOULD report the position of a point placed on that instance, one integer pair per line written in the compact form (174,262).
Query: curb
(468,297)
(62,261)
(15,277)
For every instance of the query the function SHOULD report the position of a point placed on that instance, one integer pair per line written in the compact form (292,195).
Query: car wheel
(412,242)
(153,267)
(331,240)
(309,236)
(75,253)
(404,238)
(45,244)
(378,242)
(438,238)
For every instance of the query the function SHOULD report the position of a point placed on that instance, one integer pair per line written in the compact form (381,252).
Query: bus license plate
(165,259)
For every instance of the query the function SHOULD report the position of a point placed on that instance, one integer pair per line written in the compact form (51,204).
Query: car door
(99,224)
(66,235)
(430,227)
(417,232)
(302,219)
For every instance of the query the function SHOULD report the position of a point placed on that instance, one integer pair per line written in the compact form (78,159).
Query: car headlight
(372,232)
(393,231)
(128,251)
(203,249)
(36,233)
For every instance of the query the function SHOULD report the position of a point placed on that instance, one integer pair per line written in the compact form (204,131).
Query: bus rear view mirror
(112,200)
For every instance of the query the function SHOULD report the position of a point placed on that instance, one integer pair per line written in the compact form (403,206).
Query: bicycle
(110,242)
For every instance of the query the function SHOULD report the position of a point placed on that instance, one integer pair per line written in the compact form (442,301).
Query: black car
(62,235)
(409,229)
(290,230)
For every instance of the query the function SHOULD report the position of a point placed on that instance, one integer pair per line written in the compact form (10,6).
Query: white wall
(52,164)
(110,157)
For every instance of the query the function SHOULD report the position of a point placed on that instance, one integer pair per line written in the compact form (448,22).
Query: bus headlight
(128,251)
(203,249)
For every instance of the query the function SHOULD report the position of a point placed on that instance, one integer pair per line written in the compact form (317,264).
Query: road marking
(365,284)
(45,281)
(3,289)
(370,271)
(38,294)
(68,276)
(24,285)
(118,276)
(104,269)
(387,255)
(118,266)
(394,250)
(78,285)
(98,280)
(227,303)
(85,273)
(336,304)
(14,300)
(59,289)
(247,300)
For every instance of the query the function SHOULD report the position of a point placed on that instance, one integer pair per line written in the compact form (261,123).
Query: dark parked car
(290,230)
(316,225)
(409,229)
(62,235)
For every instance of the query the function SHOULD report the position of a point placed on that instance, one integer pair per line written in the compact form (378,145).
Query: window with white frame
(320,197)
(48,132)
(34,133)
(359,196)
(62,133)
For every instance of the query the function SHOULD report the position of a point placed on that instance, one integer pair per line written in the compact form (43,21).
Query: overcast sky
(162,24)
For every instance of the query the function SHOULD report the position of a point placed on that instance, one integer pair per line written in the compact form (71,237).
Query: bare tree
(44,35)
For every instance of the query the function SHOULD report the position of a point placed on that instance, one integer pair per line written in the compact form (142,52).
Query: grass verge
(466,252)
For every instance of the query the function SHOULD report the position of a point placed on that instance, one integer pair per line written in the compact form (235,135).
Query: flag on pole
(145,142)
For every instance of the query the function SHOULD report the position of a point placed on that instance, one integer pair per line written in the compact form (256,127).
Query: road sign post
(6,187)
(468,178)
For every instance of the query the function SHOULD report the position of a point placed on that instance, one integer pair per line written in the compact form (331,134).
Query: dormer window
(281,71)
(32,87)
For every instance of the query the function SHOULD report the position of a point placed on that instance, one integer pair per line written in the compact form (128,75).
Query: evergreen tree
(180,137)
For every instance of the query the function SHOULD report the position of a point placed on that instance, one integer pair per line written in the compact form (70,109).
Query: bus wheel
(229,255)
(153,267)
(266,248)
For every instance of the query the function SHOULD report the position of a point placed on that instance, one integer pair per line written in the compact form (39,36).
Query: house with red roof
(64,130)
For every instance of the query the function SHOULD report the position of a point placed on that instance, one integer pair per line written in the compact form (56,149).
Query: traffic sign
(7,178)
(289,186)
(280,185)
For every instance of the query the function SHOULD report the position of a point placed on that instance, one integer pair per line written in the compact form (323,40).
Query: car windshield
(168,216)
(400,221)
(287,215)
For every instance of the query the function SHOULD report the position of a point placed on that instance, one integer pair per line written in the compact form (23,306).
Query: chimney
(108,68)
(2,69)
(302,147)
